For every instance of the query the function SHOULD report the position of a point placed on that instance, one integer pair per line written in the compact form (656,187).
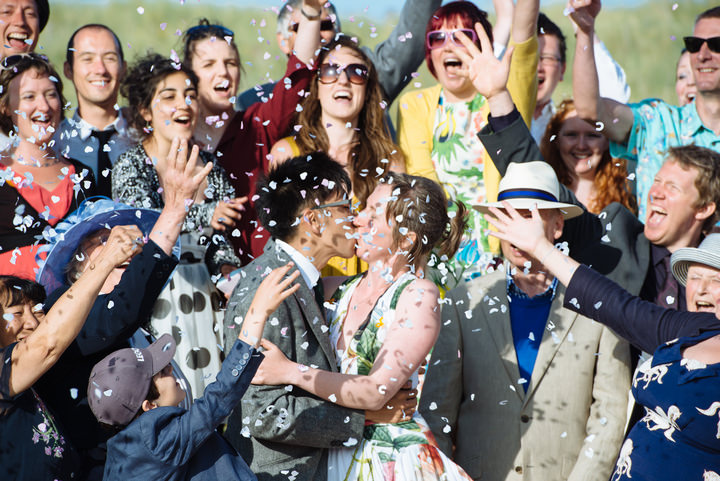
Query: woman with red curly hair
(580,155)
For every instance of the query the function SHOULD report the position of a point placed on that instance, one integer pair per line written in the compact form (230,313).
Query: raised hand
(488,75)
(584,13)
(124,243)
(275,367)
(181,180)
(227,214)
(525,233)
(272,291)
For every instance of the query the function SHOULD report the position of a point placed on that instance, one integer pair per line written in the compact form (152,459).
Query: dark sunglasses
(356,73)
(438,38)
(13,60)
(694,44)
(198,30)
(325,26)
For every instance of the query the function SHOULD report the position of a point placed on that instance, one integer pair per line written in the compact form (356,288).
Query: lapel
(557,327)
(304,299)
(498,323)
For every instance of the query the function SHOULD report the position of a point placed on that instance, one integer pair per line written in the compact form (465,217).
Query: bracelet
(311,17)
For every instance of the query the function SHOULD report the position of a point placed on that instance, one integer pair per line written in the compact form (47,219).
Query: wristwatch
(311,17)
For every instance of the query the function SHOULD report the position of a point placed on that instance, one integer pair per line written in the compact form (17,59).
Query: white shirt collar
(85,129)
(307,270)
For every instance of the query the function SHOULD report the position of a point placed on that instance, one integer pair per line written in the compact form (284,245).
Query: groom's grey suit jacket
(279,430)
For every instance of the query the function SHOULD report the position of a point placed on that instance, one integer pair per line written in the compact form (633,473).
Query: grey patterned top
(135,182)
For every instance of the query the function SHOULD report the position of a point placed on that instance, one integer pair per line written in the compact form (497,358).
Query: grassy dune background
(646,40)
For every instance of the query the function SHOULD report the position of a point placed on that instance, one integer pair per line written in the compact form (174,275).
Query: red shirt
(244,149)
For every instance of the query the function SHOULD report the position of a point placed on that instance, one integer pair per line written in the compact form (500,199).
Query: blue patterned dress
(679,437)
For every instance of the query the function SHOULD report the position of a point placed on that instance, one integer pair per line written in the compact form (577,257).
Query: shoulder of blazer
(474,291)
(421,101)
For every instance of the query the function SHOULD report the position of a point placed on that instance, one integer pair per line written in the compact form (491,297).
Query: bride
(383,324)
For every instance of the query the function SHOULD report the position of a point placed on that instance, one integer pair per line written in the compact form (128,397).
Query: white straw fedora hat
(531,184)
(707,254)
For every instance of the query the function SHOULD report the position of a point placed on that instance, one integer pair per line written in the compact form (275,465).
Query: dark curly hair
(611,182)
(141,81)
(14,66)
(297,184)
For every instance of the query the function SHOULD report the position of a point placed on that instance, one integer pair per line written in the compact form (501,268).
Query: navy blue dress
(679,437)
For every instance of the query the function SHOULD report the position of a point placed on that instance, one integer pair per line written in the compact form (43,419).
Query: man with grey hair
(395,58)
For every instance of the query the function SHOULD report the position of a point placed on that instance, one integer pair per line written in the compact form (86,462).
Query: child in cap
(133,390)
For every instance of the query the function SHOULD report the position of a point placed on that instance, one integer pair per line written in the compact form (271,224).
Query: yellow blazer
(416,118)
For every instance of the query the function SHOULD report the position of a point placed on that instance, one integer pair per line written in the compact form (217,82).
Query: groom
(283,432)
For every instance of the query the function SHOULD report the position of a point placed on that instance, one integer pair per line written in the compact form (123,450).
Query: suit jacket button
(518,469)
(525,418)
(235,372)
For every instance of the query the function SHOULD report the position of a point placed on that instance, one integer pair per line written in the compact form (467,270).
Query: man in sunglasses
(644,131)
(395,59)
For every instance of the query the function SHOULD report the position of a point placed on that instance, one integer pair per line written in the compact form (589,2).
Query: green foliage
(640,38)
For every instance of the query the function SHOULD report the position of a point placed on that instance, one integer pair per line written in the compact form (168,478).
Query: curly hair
(14,66)
(141,81)
(611,182)
(374,147)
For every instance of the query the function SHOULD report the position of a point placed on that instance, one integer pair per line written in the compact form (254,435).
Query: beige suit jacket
(568,425)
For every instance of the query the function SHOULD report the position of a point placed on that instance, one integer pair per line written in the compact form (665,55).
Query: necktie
(319,293)
(103,162)
(668,294)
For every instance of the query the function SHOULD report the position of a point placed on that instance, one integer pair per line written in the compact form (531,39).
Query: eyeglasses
(438,38)
(347,203)
(357,73)
(549,60)
(325,25)
(694,44)
(199,30)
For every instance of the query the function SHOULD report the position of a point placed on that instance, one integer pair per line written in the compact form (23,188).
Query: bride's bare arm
(408,341)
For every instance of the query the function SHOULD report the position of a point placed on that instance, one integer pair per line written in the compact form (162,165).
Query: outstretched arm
(643,323)
(409,340)
(398,56)
(38,352)
(617,118)
(308,34)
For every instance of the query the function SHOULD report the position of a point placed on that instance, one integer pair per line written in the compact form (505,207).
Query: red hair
(611,184)
(461,13)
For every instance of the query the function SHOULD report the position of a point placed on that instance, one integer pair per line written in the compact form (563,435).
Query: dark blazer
(284,428)
(612,243)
